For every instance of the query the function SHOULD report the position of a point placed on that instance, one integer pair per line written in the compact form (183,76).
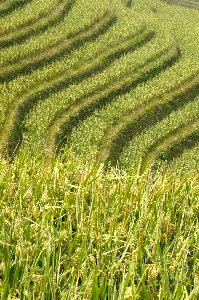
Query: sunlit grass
(71,228)
(68,233)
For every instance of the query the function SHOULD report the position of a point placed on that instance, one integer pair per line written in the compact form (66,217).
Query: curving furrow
(50,19)
(83,54)
(8,8)
(53,38)
(185,162)
(80,61)
(77,114)
(60,49)
(181,117)
(25,16)
(105,120)
(145,116)
(80,111)
(74,76)
(82,94)
(172,146)
(22,105)
(25,91)
(131,114)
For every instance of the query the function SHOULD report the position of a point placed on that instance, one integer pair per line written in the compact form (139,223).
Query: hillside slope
(123,69)
(99,140)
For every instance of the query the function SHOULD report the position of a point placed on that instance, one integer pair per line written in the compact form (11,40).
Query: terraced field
(99,125)
(97,81)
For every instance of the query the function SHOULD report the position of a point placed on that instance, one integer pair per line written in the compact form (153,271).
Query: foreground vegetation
(73,234)
(99,147)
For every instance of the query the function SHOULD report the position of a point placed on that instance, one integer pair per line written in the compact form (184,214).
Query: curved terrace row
(100,82)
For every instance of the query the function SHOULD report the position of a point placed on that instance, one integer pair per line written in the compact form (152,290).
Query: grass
(65,234)
(92,76)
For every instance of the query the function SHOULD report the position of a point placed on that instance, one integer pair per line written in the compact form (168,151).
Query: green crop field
(99,149)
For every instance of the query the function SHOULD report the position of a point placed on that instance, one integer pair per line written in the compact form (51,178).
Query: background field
(99,140)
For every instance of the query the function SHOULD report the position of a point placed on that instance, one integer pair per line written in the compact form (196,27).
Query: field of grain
(99,140)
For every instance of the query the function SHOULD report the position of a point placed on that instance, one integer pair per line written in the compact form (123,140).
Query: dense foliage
(99,140)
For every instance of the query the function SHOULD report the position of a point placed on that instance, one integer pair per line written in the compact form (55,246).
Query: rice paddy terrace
(109,81)
(99,143)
